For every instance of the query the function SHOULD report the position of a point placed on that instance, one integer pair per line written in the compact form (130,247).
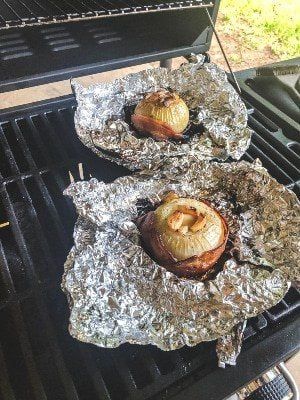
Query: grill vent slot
(59,39)
(13,46)
(102,35)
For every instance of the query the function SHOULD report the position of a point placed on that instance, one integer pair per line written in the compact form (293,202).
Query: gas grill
(40,155)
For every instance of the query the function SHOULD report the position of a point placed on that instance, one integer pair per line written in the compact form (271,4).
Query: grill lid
(43,41)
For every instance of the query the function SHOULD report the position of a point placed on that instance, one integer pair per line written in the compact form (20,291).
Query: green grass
(273,23)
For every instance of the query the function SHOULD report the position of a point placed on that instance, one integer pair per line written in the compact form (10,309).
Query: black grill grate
(39,155)
(31,12)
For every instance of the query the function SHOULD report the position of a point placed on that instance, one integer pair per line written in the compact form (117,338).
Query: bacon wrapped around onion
(184,235)
(162,115)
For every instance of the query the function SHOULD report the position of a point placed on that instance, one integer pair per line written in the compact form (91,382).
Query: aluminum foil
(118,294)
(229,346)
(101,122)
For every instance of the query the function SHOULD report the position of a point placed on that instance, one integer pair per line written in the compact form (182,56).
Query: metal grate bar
(121,364)
(56,140)
(41,147)
(248,157)
(38,9)
(32,12)
(27,294)
(69,8)
(165,362)
(150,363)
(20,241)
(47,198)
(54,11)
(97,378)
(32,215)
(290,303)
(38,148)
(9,14)
(140,365)
(97,8)
(17,314)
(293,173)
(276,139)
(27,10)
(70,390)
(36,385)
(41,171)
(275,170)
(109,370)
(51,121)
(6,276)
(6,391)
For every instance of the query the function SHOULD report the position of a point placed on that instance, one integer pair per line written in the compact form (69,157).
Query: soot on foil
(118,294)
(218,117)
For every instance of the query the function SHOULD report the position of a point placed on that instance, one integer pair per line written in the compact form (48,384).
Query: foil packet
(218,116)
(118,294)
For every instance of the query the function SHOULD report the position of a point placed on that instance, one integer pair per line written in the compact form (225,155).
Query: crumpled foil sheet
(101,124)
(229,346)
(118,294)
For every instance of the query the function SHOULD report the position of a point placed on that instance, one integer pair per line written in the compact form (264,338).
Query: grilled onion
(184,235)
(163,115)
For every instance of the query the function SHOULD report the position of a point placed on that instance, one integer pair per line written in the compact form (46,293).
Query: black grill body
(120,36)
(39,156)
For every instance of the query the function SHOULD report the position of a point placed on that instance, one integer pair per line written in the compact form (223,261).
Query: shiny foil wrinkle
(118,294)
(215,107)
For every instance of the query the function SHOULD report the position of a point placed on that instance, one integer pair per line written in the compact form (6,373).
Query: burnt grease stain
(144,206)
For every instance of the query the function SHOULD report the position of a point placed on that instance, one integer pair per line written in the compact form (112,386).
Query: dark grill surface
(39,155)
(29,12)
